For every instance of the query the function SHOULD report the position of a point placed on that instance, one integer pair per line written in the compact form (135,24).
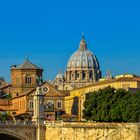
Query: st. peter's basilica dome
(83,66)
(82,69)
(83,58)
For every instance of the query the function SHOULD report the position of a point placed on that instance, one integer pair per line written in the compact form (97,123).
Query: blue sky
(48,32)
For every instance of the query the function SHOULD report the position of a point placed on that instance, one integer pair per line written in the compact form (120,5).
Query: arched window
(83,75)
(76,75)
(28,79)
(30,104)
(91,75)
(50,105)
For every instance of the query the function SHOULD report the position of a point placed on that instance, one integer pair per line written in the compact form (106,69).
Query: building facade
(74,104)
(24,77)
(53,103)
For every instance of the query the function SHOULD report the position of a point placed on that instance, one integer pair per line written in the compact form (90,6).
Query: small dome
(60,76)
(83,58)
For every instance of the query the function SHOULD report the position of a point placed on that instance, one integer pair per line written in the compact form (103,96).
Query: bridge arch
(19,132)
(11,135)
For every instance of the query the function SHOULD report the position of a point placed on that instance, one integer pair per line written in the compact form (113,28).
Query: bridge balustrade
(18,122)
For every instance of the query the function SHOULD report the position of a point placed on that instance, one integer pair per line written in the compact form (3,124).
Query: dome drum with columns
(82,67)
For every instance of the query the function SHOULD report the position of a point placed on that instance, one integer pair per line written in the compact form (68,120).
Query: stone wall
(92,131)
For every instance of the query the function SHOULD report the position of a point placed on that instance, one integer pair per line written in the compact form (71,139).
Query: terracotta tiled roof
(51,93)
(111,81)
(27,65)
(68,116)
(5,102)
(23,115)
(4,86)
(25,93)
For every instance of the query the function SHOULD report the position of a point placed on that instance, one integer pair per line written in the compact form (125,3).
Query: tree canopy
(111,105)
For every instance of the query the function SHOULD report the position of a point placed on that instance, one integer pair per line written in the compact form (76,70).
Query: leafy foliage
(111,105)
(5,95)
(4,116)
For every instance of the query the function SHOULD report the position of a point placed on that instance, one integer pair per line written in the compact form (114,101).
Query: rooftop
(26,65)
(119,78)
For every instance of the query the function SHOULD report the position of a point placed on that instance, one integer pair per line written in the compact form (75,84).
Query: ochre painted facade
(76,99)
(24,80)
(20,105)
(24,104)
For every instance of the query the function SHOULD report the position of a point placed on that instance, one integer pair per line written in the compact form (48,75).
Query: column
(74,78)
(80,76)
(87,76)
(68,76)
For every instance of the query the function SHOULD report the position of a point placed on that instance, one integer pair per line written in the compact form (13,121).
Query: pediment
(48,90)
(51,91)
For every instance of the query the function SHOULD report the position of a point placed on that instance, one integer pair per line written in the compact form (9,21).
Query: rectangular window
(91,75)
(83,75)
(17,80)
(76,75)
(30,104)
(59,104)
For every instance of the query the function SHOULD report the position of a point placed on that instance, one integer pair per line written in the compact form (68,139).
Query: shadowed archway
(17,132)
(74,110)
(8,137)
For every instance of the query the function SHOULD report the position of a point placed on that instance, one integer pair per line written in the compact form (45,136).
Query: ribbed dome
(83,58)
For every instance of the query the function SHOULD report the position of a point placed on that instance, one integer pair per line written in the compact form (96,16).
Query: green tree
(109,105)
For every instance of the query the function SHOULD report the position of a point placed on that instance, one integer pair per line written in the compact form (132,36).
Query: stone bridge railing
(92,130)
(23,130)
(16,122)
(18,129)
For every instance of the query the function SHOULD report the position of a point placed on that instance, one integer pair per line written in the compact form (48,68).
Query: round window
(45,89)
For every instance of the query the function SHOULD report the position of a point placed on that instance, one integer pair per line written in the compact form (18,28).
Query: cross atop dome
(26,58)
(60,71)
(83,38)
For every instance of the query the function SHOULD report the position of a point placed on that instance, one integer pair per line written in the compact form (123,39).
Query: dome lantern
(83,45)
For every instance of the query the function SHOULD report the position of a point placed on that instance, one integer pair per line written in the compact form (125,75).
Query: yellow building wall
(68,105)
(95,87)
(20,105)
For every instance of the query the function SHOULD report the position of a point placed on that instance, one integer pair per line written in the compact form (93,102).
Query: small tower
(109,75)
(24,77)
(38,116)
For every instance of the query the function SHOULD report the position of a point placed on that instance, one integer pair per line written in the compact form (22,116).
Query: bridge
(20,130)
(27,130)
(38,130)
